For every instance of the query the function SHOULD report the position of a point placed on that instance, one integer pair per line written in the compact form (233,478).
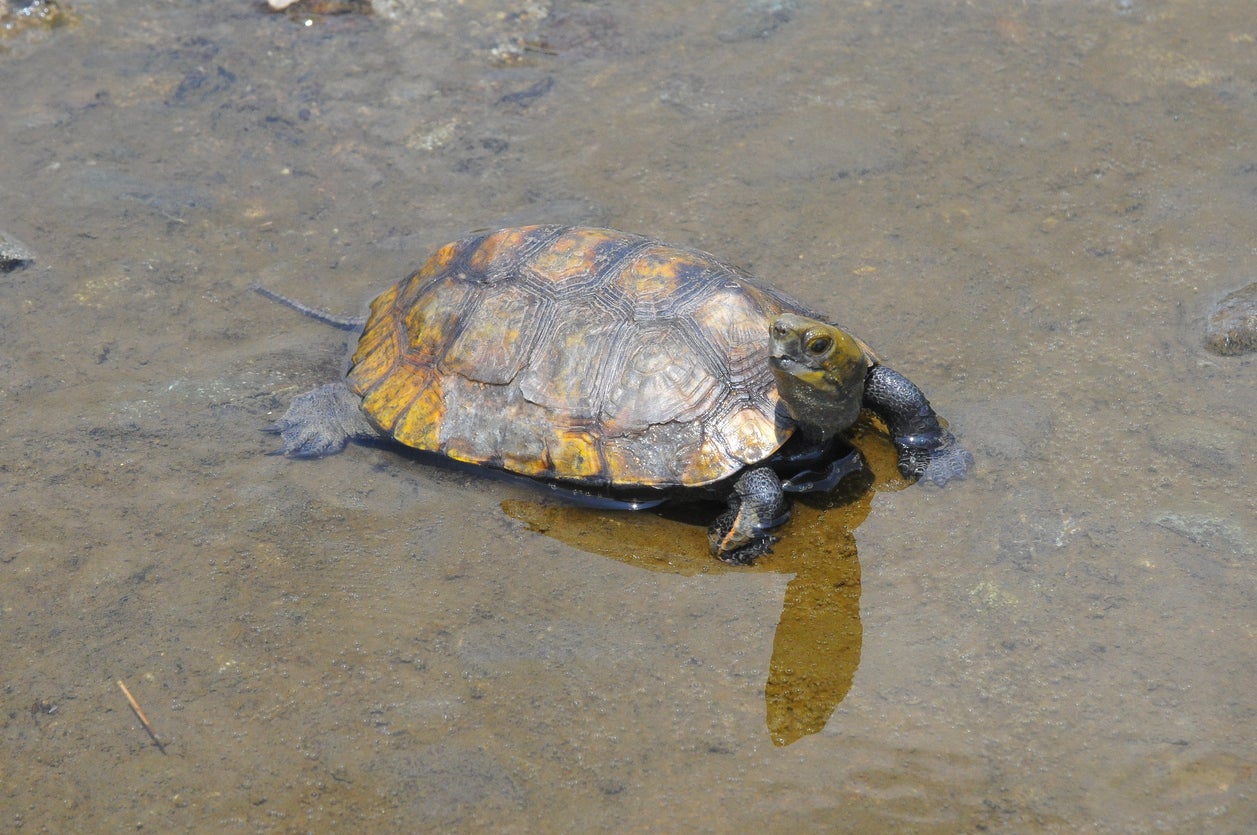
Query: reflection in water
(817,645)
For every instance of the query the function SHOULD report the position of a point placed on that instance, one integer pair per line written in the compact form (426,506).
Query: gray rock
(1200,442)
(1225,539)
(1232,327)
(756,20)
(13,254)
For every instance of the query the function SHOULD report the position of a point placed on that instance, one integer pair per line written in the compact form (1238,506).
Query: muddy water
(1027,209)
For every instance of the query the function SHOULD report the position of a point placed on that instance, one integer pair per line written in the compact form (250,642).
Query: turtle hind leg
(321,422)
(757,504)
(927,451)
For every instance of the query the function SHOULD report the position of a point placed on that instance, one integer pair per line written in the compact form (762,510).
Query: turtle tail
(345,323)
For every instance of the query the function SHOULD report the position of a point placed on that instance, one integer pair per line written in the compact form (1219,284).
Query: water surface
(1028,209)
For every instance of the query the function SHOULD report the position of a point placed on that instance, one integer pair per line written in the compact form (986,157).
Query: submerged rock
(1232,327)
(19,15)
(1225,540)
(757,19)
(323,7)
(13,254)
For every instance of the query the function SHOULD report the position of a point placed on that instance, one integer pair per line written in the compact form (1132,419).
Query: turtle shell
(577,354)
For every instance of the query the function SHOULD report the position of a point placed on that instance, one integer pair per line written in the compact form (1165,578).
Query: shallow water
(1026,209)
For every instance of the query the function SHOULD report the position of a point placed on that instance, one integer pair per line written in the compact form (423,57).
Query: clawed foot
(939,464)
(320,422)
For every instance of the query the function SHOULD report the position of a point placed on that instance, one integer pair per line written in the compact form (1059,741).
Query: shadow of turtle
(816,648)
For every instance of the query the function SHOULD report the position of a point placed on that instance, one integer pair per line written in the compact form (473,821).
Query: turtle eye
(818,345)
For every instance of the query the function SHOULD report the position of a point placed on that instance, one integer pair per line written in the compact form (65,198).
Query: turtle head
(820,371)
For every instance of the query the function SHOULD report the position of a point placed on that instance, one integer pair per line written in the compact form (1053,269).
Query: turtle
(617,365)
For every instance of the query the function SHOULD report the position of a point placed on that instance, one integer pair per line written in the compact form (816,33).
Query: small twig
(143,719)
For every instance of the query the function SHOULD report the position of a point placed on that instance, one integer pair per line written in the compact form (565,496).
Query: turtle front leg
(321,422)
(756,506)
(926,450)
(825,480)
